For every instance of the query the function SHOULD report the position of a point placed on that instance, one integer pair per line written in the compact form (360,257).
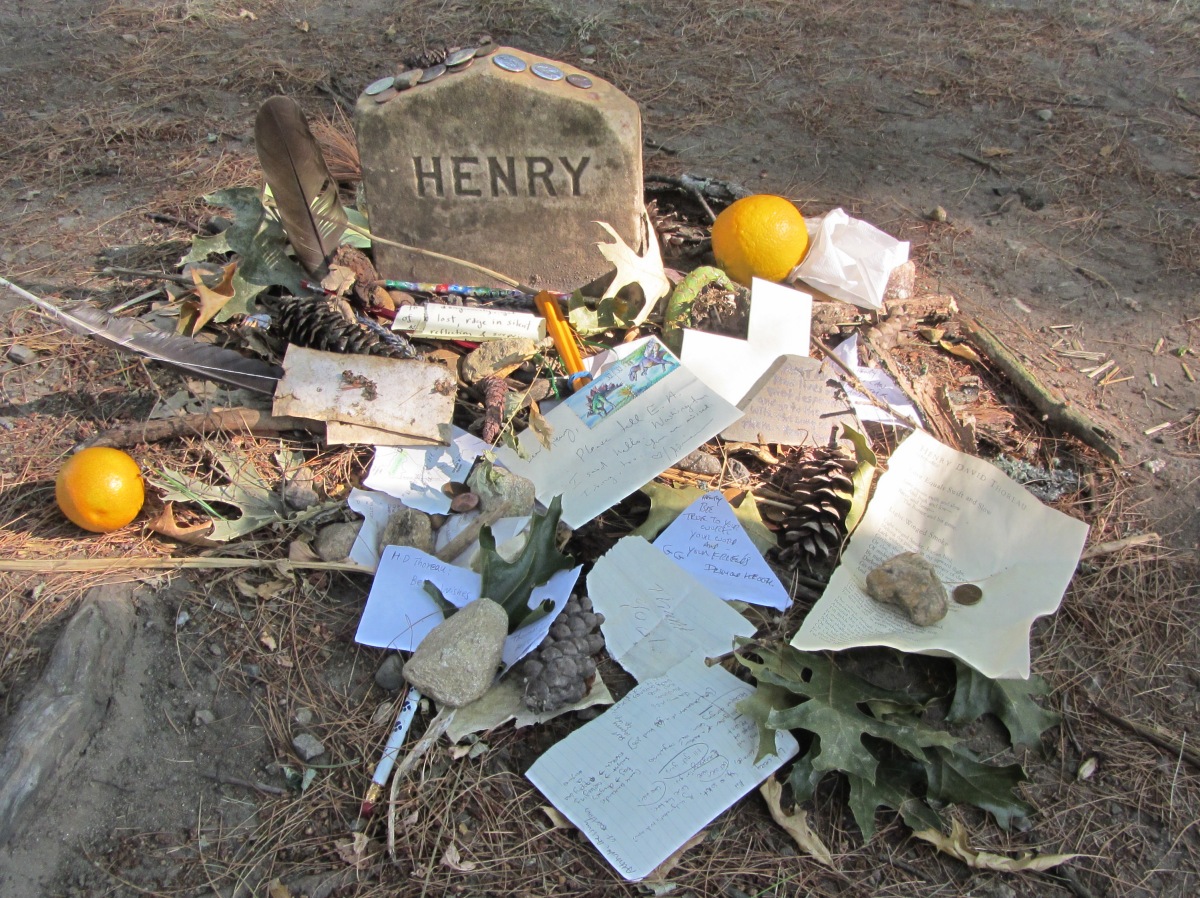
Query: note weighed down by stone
(508,163)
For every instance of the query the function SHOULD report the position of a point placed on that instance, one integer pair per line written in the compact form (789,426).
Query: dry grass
(170,121)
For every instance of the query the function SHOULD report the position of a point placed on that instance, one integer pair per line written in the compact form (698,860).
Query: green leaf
(510,584)
(759,706)
(957,776)
(246,490)
(898,783)
(863,474)
(679,306)
(260,243)
(1010,700)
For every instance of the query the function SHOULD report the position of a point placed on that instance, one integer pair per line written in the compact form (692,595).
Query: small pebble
(20,355)
(390,675)
(303,717)
(203,718)
(308,746)
(1045,114)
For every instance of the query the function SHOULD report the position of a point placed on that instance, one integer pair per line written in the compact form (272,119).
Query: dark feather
(305,193)
(182,353)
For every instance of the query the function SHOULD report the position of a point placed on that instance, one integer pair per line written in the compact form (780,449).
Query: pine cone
(328,324)
(560,671)
(820,487)
(427,58)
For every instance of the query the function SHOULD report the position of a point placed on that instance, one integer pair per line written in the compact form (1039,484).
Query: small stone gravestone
(797,401)
(506,160)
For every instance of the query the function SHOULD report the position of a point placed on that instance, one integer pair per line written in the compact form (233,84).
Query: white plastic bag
(850,259)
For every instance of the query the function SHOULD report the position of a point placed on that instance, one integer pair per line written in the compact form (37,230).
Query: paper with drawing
(658,766)
(975,525)
(709,542)
(626,427)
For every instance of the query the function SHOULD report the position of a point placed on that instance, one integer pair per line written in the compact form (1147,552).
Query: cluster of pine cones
(561,670)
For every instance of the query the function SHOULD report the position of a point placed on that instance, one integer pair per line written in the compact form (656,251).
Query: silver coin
(461,67)
(458,57)
(967,594)
(581,81)
(408,79)
(486,49)
(547,71)
(510,63)
(378,87)
(385,95)
(436,72)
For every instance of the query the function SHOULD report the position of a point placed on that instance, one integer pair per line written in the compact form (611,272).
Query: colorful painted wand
(457,290)
(404,718)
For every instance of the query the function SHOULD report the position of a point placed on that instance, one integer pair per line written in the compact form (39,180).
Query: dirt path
(1042,158)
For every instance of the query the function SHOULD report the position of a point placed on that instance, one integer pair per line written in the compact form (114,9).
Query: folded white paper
(850,259)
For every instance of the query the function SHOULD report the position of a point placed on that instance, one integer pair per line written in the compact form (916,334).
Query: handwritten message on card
(797,401)
(658,766)
(975,525)
(708,542)
(593,468)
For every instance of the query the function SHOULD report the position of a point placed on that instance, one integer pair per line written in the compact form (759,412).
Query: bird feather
(306,194)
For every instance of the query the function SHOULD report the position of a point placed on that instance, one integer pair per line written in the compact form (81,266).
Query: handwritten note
(437,320)
(709,542)
(975,525)
(416,474)
(594,467)
(658,766)
(797,401)
(780,324)
(400,613)
(655,613)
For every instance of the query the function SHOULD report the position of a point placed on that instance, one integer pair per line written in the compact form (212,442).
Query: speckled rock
(457,661)
(909,582)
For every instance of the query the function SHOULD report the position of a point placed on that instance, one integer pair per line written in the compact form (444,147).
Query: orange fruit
(761,236)
(100,489)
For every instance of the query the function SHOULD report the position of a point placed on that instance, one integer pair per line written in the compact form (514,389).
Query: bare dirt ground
(1059,140)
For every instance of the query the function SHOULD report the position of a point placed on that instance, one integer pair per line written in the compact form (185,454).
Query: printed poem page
(975,525)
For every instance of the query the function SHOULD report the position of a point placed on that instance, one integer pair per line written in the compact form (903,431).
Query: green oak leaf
(863,474)
(1010,700)
(898,782)
(260,504)
(510,583)
(955,775)
(759,706)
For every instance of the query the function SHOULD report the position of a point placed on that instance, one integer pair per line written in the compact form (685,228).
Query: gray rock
(699,462)
(308,746)
(409,527)
(497,357)
(390,675)
(334,541)
(457,661)
(303,717)
(496,487)
(20,355)
(298,492)
(203,718)
(910,583)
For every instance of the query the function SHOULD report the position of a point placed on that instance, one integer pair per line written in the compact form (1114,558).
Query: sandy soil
(1041,158)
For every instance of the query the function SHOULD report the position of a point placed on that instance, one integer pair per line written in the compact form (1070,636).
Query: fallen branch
(1116,545)
(241,420)
(102,565)
(1155,736)
(440,723)
(244,784)
(1056,411)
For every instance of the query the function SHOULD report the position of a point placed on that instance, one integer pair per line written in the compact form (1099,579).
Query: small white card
(709,542)
(640,416)
(416,474)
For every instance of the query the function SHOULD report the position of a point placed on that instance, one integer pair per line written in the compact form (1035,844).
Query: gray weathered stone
(457,660)
(504,169)
(334,541)
(910,583)
(408,527)
(20,355)
(498,487)
(390,675)
(55,723)
(298,491)
(308,746)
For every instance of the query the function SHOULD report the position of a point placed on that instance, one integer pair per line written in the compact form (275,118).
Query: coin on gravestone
(510,63)
(384,96)
(458,57)
(378,87)
(430,74)
(485,49)
(547,71)
(967,594)
(578,80)
(461,67)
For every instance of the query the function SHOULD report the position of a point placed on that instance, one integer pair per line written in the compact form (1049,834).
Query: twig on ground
(440,723)
(1116,545)
(245,784)
(241,420)
(1154,735)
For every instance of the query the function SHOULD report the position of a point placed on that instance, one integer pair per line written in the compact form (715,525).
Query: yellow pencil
(560,332)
